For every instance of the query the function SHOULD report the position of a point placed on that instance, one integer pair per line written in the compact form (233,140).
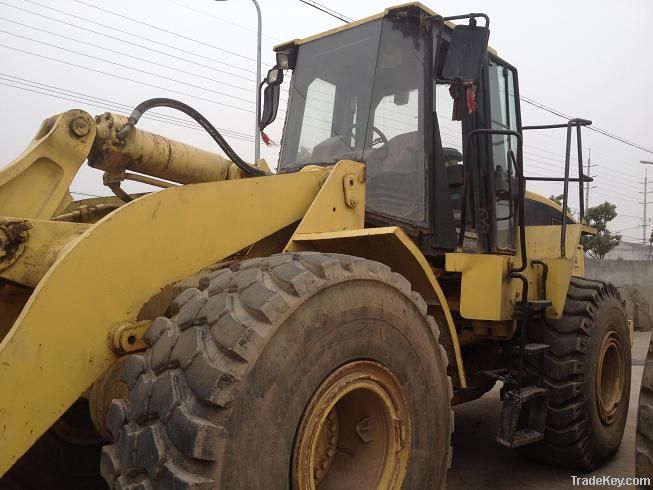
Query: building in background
(630,251)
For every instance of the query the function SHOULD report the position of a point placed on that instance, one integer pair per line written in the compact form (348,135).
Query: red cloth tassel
(471,98)
(267,140)
(458,90)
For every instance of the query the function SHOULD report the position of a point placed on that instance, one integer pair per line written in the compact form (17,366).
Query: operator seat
(393,173)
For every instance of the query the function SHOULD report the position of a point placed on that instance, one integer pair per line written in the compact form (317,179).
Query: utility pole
(587,191)
(587,185)
(645,203)
(257,91)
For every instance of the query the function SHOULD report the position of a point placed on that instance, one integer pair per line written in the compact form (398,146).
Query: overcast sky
(588,59)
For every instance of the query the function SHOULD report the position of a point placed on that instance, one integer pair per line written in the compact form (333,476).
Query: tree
(597,246)
(558,200)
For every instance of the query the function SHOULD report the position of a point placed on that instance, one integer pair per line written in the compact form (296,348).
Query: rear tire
(587,372)
(234,381)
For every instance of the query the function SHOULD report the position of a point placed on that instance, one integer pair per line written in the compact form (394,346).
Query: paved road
(479,462)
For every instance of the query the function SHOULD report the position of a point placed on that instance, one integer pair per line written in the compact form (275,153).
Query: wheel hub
(355,432)
(610,377)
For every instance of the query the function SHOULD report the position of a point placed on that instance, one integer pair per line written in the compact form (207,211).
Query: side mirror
(467,51)
(270,105)
(271,96)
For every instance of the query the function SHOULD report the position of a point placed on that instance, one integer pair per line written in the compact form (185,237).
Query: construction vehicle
(644,436)
(313,328)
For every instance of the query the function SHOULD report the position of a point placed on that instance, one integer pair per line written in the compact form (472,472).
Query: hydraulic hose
(200,119)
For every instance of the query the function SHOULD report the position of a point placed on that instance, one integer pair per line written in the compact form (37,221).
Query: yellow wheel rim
(355,432)
(610,377)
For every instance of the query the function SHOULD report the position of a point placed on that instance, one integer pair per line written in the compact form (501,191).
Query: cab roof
(389,10)
(403,6)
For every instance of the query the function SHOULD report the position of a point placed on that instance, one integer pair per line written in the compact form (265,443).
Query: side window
(450,131)
(504,150)
(318,118)
(502,110)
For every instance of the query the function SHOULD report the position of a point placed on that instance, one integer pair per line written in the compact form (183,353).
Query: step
(511,432)
(532,349)
(522,437)
(539,304)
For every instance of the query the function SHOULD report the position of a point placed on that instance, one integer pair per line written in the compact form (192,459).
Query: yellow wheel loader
(310,329)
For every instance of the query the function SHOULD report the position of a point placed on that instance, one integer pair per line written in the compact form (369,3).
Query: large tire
(644,438)
(588,397)
(218,397)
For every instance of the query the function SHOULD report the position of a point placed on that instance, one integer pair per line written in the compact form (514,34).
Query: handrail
(521,184)
(578,123)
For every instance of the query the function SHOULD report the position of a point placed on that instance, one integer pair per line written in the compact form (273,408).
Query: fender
(390,246)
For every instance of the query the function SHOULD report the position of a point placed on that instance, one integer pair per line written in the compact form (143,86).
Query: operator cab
(432,112)
(358,95)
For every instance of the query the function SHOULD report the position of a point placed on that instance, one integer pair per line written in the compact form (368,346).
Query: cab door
(502,113)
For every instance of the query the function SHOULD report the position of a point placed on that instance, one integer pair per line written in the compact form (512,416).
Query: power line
(528,100)
(170,46)
(131,43)
(107,104)
(240,26)
(79,193)
(125,78)
(126,55)
(140,22)
(591,128)
(327,10)
(86,55)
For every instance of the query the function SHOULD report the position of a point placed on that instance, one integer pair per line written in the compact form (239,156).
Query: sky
(585,58)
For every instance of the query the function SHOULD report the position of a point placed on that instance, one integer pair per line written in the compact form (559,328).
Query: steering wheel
(381,139)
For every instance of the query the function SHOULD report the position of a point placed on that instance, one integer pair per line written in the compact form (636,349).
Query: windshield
(357,95)
(330,97)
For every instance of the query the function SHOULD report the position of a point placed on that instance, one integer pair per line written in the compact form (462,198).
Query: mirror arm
(260,98)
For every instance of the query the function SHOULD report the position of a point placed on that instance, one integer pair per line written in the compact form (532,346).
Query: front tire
(287,372)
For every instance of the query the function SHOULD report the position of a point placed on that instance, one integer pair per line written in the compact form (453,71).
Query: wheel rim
(355,432)
(610,377)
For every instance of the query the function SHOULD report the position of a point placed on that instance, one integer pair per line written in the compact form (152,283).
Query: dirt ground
(479,462)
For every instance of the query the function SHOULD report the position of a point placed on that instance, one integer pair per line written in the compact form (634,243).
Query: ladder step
(513,430)
(539,304)
(521,438)
(532,349)
(527,393)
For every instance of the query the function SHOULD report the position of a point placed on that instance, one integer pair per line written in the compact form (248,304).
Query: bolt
(79,126)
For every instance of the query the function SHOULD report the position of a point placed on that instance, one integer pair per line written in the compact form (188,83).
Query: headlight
(286,59)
